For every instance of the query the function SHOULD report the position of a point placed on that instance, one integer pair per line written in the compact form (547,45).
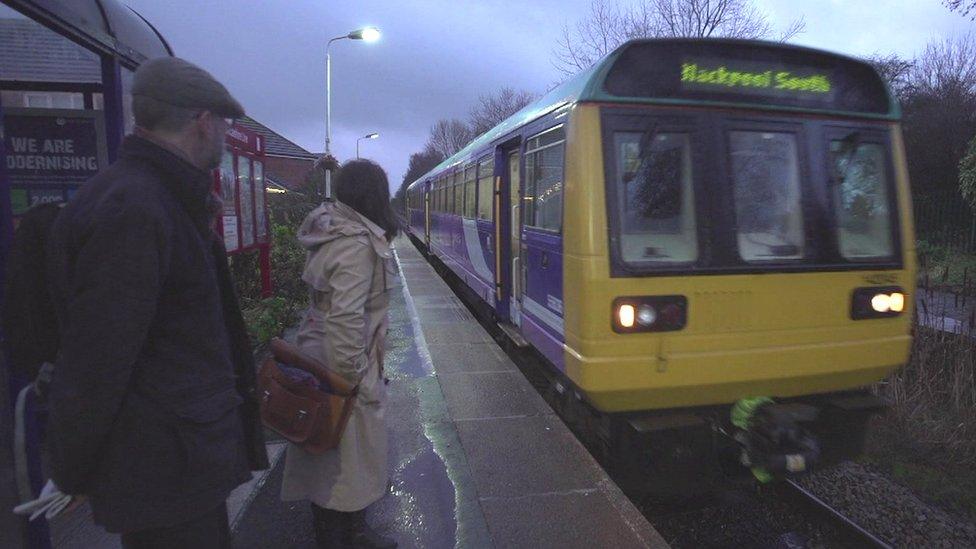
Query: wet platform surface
(520,478)
(477,457)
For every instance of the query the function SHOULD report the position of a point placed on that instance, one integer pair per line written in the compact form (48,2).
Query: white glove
(50,503)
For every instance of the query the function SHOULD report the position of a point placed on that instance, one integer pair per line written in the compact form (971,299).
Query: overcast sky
(437,56)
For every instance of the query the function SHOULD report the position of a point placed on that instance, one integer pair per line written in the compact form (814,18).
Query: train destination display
(758,78)
(748,73)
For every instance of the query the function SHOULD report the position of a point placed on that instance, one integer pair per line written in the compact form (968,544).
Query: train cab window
(486,188)
(766,189)
(861,200)
(655,197)
(544,180)
(470,191)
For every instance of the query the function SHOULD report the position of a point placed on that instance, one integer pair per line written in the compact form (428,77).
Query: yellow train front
(687,224)
(737,223)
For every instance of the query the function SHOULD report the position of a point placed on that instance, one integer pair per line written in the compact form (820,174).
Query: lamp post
(369,34)
(367,136)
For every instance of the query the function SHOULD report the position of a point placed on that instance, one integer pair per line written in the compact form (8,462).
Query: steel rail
(856,531)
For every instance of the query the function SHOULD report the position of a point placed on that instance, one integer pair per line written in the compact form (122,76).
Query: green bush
(967,174)
(267,318)
(270,317)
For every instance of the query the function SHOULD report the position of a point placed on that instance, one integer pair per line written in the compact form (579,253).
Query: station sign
(240,184)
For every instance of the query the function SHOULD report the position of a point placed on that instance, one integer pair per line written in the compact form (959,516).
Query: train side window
(486,188)
(470,191)
(544,157)
(445,190)
(861,200)
(441,195)
(766,183)
(655,197)
(458,193)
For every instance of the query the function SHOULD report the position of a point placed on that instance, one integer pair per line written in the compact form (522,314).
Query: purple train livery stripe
(467,247)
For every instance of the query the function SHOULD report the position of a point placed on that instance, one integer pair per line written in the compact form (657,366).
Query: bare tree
(420,163)
(939,104)
(449,136)
(895,70)
(606,26)
(966,8)
(493,108)
(946,66)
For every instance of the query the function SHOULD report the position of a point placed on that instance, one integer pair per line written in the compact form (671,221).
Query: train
(689,223)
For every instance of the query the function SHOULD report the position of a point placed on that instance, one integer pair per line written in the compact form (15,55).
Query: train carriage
(691,222)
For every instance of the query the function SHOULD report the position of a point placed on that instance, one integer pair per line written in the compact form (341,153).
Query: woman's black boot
(361,536)
(329,527)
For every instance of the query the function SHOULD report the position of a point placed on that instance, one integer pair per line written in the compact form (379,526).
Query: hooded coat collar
(333,220)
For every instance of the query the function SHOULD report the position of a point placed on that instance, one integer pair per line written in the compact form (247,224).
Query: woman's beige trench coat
(349,271)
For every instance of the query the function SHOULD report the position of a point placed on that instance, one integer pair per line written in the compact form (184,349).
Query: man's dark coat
(153,411)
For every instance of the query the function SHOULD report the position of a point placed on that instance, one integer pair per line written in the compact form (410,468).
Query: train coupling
(772,440)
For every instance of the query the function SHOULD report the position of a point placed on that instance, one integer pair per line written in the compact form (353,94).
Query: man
(153,412)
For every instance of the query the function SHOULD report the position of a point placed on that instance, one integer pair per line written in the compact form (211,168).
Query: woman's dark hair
(362,185)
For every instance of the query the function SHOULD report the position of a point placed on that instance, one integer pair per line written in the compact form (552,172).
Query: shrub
(967,174)
(933,398)
(270,317)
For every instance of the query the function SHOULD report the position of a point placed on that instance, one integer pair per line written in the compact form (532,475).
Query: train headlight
(897,302)
(877,302)
(881,303)
(649,313)
(646,315)
(625,315)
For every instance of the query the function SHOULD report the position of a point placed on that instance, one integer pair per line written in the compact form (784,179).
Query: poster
(247,201)
(229,223)
(47,147)
(228,189)
(19,201)
(260,215)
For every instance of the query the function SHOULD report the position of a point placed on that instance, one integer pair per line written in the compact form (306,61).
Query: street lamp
(367,136)
(367,34)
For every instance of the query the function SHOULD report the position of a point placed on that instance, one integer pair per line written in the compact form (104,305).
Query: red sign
(245,139)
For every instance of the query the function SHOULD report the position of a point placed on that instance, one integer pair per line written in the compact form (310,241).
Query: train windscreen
(747,73)
(714,193)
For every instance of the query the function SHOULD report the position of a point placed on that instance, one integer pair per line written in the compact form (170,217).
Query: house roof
(274,143)
(30,52)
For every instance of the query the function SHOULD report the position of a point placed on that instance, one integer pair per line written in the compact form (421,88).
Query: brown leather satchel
(313,418)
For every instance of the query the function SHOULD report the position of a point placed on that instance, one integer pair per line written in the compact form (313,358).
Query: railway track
(854,534)
(844,532)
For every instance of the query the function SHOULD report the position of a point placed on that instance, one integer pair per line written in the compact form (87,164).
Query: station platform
(478,458)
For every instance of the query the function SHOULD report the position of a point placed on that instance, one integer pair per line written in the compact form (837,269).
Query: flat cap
(180,83)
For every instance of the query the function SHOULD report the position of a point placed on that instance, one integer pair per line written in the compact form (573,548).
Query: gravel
(887,509)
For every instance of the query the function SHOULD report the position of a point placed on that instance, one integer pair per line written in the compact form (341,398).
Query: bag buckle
(302,414)
(266,396)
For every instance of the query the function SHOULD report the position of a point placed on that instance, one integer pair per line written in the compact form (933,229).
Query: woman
(349,271)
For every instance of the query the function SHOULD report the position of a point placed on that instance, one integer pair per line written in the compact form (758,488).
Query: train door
(515,203)
(426,190)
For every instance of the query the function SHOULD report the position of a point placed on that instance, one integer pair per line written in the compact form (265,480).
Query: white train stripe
(475,252)
(550,318)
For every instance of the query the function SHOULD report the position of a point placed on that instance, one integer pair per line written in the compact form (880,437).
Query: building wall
(290,172)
